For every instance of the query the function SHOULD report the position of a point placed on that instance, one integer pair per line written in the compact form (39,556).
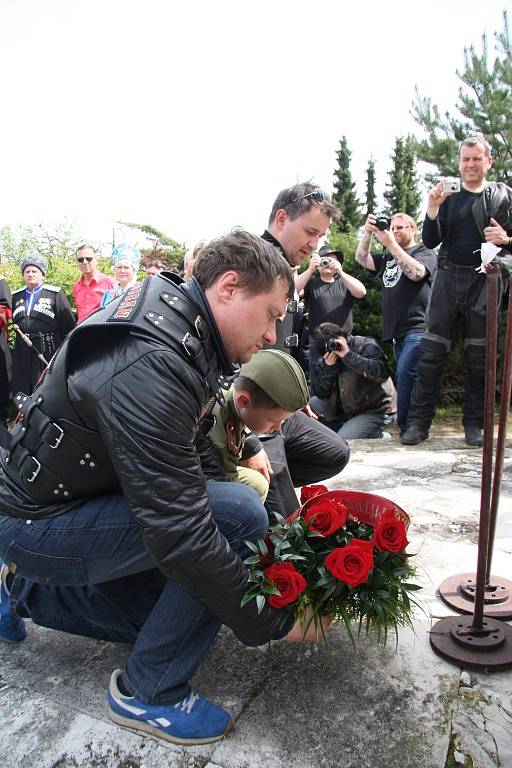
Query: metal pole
(506,388)
(490,394)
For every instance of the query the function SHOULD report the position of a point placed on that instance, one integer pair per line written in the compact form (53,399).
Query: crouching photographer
(353,391)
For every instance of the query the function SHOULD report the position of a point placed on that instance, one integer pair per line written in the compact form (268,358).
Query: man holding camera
(460,220)
(327,296)
(304,451)
(353,389)
(406,270)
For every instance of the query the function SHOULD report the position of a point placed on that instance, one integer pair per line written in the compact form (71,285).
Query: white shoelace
(188,703)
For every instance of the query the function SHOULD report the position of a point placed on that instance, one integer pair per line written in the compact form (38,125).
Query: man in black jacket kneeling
(129,541)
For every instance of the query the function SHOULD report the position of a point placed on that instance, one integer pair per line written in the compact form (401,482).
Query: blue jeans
(87,572)
(364,426)
(407,355)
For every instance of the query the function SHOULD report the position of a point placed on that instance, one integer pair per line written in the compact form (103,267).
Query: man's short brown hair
(258,263)
(300,198)
(472,141)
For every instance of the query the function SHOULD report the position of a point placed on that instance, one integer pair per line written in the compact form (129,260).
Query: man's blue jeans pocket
(46,569)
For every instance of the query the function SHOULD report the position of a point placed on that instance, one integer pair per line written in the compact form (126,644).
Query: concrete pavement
(369,707)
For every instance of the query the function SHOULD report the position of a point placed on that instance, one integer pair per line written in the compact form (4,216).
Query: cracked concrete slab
(367,707)
(482,721)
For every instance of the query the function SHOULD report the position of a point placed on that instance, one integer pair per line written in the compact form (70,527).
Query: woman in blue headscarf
(125,260)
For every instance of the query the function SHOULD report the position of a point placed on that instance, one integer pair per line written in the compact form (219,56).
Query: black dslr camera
(382,222)
(332,345)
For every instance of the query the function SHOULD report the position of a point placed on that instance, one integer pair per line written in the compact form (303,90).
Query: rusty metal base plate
(453,638)
(457,592)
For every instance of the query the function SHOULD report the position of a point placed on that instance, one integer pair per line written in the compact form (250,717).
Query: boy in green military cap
(271,387)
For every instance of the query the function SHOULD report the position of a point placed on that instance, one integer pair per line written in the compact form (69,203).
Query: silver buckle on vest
(35,472)
(292,341)
(184,343)
(201,328)
(58,439)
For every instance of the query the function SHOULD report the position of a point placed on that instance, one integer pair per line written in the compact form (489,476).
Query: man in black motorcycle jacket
(129,541)
(459,222)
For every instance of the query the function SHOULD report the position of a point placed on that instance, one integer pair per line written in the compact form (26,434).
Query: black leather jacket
(119,411)
(361,379)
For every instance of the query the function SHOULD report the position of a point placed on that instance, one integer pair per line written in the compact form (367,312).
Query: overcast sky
(192,115)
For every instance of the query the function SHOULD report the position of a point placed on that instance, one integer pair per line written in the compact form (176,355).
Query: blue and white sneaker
(193,720)
(12,627)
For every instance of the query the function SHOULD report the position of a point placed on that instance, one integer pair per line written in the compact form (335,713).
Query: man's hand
(436,198)
(315,262)
(259,462)
(307,410)
(303,279)
(386,238)
(495,234)
(331,356)
(296,633)
(369,225)
(336,267)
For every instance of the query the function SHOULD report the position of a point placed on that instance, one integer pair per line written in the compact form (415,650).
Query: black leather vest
(50,452)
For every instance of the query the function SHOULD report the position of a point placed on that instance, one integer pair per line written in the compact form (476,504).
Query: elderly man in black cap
(328,296)
(43,314)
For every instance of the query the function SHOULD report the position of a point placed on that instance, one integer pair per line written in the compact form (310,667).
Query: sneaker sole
(142,727)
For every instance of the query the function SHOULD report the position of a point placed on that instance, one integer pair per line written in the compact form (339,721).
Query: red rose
(351,564)
(288,581)
(268,559)
(308,491)
(389,533)
(326,516)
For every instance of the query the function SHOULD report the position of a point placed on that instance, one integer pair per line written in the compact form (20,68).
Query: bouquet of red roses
(342,554)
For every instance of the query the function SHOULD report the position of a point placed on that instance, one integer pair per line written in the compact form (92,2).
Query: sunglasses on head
(317,194)
(81,259)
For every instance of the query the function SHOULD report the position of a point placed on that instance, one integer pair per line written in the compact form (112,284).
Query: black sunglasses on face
(81,259)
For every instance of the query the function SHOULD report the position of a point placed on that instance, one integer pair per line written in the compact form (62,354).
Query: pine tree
(402,192)
(371,196)
(163,247)
(395,188)
(345,196)
(484,104)
(413,194)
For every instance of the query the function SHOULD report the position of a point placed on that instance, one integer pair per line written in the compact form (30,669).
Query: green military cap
(280,377)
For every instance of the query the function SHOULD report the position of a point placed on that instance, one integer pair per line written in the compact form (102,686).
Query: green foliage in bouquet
(342,555)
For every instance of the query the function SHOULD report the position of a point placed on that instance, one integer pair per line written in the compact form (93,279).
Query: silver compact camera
(324,261)
(451,184)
